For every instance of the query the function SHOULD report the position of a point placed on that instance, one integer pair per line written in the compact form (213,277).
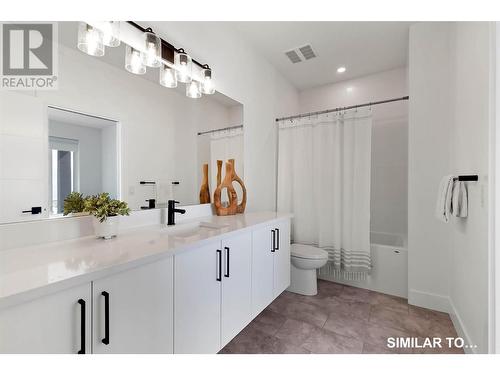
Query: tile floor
(340,319)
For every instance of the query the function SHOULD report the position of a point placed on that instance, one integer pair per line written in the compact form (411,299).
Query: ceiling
(362,47)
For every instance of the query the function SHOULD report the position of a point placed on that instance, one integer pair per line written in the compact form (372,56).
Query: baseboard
(429,300)
(461,330)
(445,304)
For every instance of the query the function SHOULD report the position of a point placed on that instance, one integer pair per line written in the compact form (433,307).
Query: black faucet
(172,210)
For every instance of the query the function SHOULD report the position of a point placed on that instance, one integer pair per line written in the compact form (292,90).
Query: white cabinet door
(197,302)
(262,269)
(236,285)
(23,157)
(49,324)
(139,304)
(282,257)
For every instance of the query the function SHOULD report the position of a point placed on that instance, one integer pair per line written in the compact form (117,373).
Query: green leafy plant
(102,206)
(73,203)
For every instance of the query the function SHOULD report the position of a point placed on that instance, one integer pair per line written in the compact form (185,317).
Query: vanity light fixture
(90,40)
(168,77)
(183,66)
(193,90)
(174,63)
(134,61)
(111,33)
(152,49)
(207,84)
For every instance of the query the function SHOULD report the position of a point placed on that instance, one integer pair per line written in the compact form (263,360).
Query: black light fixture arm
(167,47)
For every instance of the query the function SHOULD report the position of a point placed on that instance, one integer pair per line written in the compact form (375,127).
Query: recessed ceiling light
(341,69)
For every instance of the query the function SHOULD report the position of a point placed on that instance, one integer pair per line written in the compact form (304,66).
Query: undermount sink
(185,231)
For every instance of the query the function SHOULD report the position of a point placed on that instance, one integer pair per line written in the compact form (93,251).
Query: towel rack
(470,177)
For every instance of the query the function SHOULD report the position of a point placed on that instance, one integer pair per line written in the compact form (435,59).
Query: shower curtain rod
(222,129)
(343,108)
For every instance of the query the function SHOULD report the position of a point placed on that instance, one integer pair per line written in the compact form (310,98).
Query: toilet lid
(308,252)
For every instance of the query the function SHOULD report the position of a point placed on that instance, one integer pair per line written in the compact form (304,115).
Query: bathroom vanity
(184,289)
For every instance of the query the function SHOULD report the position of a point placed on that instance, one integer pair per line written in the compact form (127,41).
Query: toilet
(305,261)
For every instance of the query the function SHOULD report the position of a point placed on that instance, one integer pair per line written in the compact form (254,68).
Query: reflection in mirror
(82,156)
(214,131)
(45,152)
(222,144)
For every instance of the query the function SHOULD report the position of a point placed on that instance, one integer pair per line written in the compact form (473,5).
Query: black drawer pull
(277,238)
(219,263)
(273,241)
(226,273)
(105,340)
(82,326)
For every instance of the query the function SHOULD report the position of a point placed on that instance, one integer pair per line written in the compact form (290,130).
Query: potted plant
(74,204)
(106,212)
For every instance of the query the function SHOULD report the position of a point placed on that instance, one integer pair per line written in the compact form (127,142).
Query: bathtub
(389,272)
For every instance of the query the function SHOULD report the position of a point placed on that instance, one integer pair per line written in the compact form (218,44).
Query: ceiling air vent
(300,54)
(293,56)
(307,52)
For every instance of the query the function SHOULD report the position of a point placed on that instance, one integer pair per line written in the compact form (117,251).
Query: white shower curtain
(324,167)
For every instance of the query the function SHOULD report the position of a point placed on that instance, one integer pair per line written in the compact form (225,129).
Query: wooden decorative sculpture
(220,210)
(241,207)
(219,171)
(205,190)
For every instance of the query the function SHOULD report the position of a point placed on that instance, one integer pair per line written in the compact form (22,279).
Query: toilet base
(303,281)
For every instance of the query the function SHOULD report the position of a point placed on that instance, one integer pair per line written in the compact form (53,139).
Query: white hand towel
(459,200)
(443,203)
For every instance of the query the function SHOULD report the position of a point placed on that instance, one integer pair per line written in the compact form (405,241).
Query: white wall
(89,153)
(429,145)
(471,111)
(389,184)
(110,164)
(448,134)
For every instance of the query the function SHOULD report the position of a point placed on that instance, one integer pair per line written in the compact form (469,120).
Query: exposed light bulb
(183,67)
(168,77)
(182,73)
(111,31)
(134,61)
(152,49)
(207,86)
(90,40)
(151,57)
(193,90)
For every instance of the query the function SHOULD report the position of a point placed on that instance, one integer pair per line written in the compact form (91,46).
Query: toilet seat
(308,252)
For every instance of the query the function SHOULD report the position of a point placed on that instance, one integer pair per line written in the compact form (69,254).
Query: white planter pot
(108,228)
(78,214)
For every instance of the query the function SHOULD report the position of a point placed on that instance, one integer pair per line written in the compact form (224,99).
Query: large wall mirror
(107,130)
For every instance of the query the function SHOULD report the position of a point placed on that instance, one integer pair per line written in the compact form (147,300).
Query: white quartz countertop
(28,272)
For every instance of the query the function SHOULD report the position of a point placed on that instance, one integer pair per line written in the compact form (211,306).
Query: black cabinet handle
(219,262)
(277,238)
(82,326)
(226,273)
(105,340)
(273,241)
(33,211)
